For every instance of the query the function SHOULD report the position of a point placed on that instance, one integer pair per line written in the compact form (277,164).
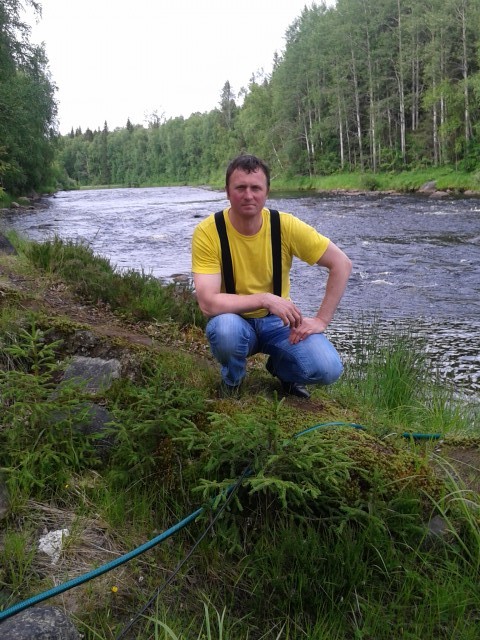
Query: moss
(385,468)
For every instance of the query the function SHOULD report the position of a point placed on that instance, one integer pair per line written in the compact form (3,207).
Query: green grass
(327,538)
(401,181)
(408,181)
(137,295)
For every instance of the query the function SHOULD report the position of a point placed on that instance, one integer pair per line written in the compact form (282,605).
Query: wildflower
(114,589)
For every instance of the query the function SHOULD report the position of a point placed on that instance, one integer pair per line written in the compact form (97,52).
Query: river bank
(176,442)
(433,181)
(416,257)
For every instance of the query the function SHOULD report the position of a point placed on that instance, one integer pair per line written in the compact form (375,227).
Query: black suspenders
(227,268)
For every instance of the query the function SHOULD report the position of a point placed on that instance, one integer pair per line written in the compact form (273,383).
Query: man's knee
(228,334)
(329,372)
(323,365)
(223,327)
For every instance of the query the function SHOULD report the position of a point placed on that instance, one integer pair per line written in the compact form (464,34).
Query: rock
(42,623)
(84,342)
(14,205)
(438,526)
(98,374)
(6,246)
(4,499)
(98,420)
(52,543)
(439,194)
(90,419)
(24,202)
(428,187)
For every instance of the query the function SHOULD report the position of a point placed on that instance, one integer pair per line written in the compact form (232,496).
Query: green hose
(100,570)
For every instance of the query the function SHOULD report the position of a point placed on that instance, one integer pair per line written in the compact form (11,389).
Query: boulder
(98,374)
(6,246)
(42,623)
(98,421)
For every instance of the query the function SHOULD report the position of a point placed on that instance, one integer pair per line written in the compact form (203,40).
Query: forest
(363,86)
(28,129)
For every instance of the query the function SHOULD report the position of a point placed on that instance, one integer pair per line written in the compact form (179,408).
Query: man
(253,319)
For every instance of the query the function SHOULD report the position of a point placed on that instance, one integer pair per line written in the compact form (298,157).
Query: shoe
(229,391)
(295,389)
(290,388)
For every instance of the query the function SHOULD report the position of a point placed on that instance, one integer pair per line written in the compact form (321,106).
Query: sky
(113,60)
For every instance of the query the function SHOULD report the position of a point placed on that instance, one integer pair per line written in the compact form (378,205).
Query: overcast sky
(112,59)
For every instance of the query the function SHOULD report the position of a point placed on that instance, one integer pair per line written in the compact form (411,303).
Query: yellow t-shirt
(252,255)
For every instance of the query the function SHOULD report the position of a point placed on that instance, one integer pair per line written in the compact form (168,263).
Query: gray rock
(24,202)
(6,246)
(97,422)
(98,374)
(438,527)
(84,342)
(439,194)
(39,623)
(428,187)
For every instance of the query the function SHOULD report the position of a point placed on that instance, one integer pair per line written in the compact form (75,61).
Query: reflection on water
(415,260)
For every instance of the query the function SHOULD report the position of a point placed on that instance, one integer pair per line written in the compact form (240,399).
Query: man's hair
(249,164)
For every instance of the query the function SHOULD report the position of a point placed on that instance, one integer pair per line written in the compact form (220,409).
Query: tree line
(366,85)
(28,129)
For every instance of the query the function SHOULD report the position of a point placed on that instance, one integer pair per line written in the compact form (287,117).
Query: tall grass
(136,295)
(400,181)
(394,381)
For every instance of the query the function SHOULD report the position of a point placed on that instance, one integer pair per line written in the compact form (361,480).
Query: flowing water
(416,260)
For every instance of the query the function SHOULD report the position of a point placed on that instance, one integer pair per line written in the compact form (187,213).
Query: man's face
(247,192)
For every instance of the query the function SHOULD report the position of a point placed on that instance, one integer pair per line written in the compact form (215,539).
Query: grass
(399,181)
(138,296)
(446,178)
(328,537)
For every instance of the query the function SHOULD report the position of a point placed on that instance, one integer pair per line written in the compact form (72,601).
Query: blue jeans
(233,338)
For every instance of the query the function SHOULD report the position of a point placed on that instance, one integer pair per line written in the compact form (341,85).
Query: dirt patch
(56,299)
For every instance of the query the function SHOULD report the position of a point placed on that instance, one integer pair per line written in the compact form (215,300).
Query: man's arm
(339,267)
(213,302)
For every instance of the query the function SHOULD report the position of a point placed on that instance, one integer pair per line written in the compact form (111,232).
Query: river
(416,260)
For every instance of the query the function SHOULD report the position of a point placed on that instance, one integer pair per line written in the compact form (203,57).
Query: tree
(27,104)
(228,106)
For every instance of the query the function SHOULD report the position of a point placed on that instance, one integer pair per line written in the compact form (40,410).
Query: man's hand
(289,313)
(307,327)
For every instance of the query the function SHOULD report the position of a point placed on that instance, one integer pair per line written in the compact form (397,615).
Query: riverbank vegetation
(343,528)
(365,95)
